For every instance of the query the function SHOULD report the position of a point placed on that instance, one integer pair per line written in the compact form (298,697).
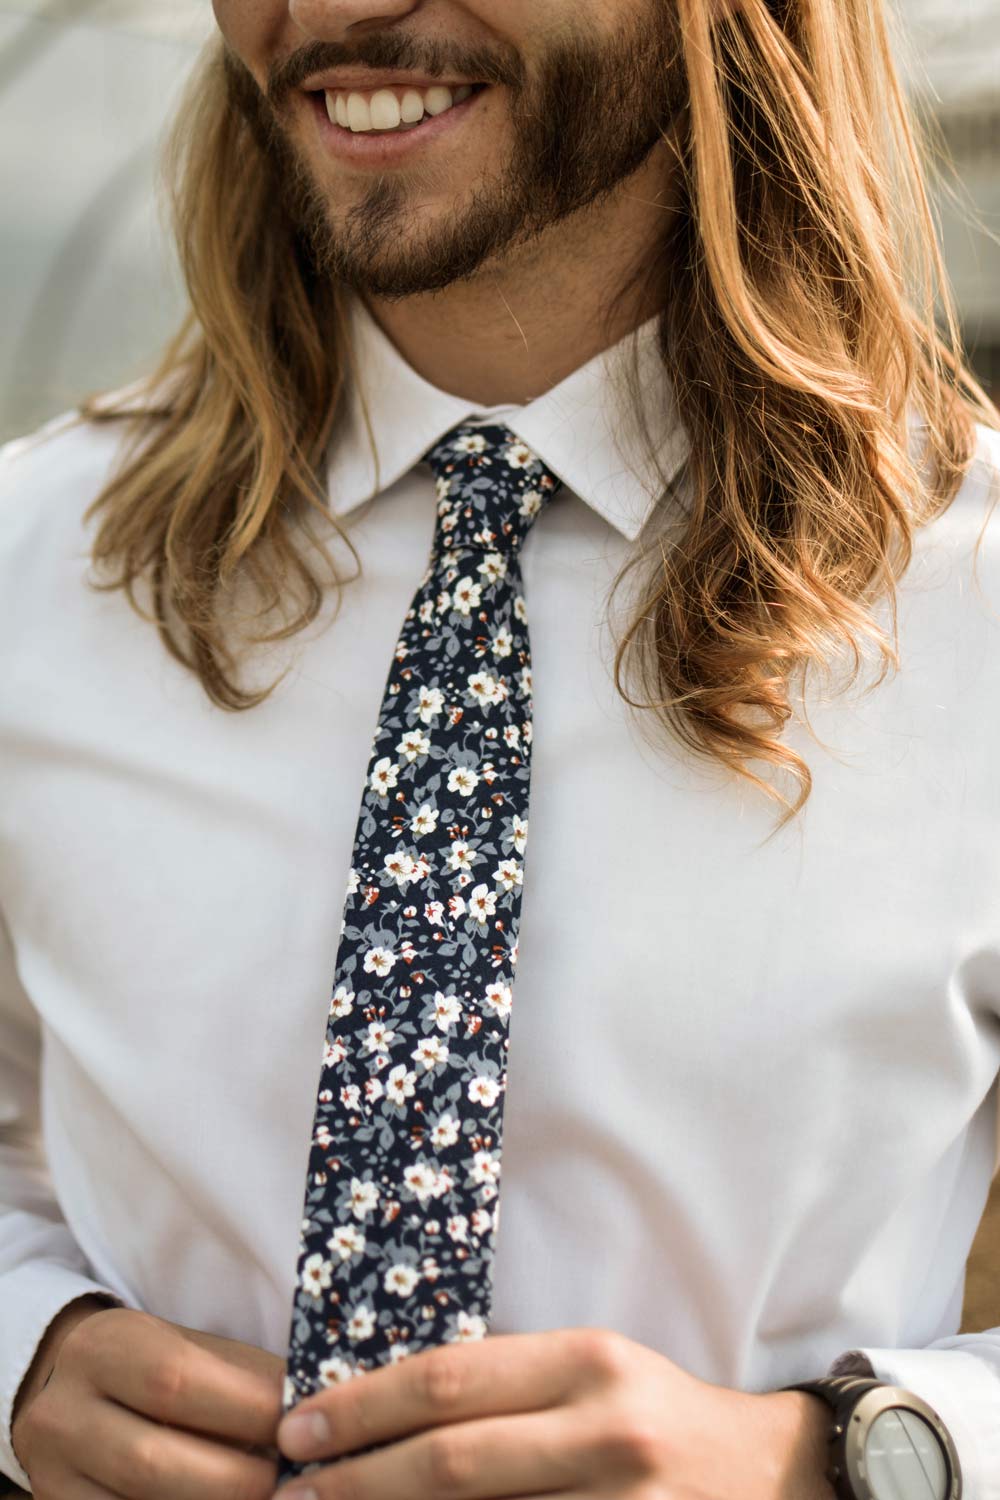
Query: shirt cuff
(964,1391)
(31,1295)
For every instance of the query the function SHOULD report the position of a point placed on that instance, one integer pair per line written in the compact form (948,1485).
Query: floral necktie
(401,1205)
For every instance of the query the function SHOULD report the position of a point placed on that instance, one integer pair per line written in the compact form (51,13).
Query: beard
(596,109)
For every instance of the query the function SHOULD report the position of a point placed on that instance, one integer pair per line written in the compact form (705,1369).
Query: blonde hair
(797,288)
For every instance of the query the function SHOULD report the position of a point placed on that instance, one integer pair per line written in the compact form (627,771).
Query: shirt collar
(586,428)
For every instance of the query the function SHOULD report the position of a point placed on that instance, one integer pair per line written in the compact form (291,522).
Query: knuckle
(449,1464)
(636,1448)
(164,1386)
(441,1381)
(602,1351)
(137,1469)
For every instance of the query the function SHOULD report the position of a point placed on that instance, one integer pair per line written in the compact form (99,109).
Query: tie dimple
(491,488)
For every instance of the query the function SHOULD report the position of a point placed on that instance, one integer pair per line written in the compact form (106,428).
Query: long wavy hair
(797,288)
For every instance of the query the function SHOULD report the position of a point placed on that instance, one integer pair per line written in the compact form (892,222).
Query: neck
(523,323)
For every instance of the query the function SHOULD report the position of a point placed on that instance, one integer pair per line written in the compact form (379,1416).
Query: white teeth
(359,116)
(412,107)
(382,110)
(437,100)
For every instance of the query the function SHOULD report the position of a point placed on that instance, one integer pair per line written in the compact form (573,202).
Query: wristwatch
(885,1442)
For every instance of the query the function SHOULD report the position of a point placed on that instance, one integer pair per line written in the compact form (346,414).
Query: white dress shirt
(752,1108)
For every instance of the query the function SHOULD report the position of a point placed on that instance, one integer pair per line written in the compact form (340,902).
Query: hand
(146,1409)
(580,1411)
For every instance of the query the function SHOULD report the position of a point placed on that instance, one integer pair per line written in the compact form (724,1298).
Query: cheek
(252,29)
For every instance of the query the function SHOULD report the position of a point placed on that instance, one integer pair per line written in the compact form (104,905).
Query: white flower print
(400,868)
(527,731)
(519,828)
(482,904)
(512,735)
(520,609)
(484,689)
(317,1274)
(493,567)
(334,1371)
(373,1090)
(508,873)
(379,961)
(384,776)
(346,1241)
(434,913)
(481,1221)
(431,1052)
(466,595)
(430,704)
(441,604)
(342,1001)
(458,1228)
(461,858)
(524,677)
(420,1179)
(397,1352)
(364,1198)
(443,1183)
(463,780)
(442,485)
(468,1326)
(424,820)
(484,1091)
(334,1052)
(485,1167)
(502,643)
(413,744)
(322,1137)
(425,613)
(350,1096)
(379,1038)
(499,997)
(361,1324)
(401,1280)
(531,503)
(353,881)
(447,1010)
(456,905)
(400,1084)
(519,455)
(470,442)
(445,1132)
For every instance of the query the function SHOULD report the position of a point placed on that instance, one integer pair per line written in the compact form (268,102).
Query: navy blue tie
(401,1196)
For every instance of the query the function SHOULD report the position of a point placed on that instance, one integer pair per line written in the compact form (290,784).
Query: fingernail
(300,1436)
(292,1492)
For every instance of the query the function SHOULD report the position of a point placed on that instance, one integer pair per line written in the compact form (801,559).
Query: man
(588,293)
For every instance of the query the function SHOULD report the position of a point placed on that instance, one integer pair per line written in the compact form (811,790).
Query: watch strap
(841,1393)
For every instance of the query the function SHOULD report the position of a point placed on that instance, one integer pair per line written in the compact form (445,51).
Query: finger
(80,1488)
(451,1383)
(183,1384)
(479,1460)
(130,1456)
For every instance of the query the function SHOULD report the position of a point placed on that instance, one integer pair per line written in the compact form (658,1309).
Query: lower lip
(363,148)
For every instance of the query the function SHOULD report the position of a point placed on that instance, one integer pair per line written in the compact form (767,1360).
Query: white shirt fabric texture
(752,1097)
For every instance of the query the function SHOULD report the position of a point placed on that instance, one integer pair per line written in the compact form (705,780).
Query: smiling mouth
(390,111)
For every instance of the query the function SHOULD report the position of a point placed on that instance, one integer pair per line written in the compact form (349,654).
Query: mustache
(394,49)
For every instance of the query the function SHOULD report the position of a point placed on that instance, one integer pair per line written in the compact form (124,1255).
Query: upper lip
(343,82)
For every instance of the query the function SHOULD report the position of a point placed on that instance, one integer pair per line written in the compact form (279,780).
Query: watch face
(903,1458)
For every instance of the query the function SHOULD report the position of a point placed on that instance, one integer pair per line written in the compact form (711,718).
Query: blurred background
(88,285)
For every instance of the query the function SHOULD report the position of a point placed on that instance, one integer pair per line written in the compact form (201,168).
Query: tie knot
(491,487)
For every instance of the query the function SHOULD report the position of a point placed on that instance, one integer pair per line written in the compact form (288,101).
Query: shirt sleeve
(42,1269)
(959,1377)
